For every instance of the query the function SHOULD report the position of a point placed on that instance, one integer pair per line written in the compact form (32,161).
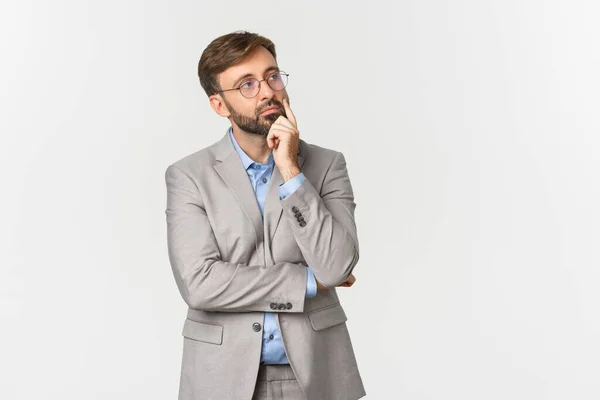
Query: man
(261,231)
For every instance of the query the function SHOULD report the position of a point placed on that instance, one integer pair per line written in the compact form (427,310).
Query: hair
(226,51)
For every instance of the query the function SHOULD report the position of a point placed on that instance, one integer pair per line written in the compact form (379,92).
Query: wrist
(290,172)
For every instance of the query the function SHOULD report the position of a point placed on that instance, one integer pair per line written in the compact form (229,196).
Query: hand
(347,283)
(284,139)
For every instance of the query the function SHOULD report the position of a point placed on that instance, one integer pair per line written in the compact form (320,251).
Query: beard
(257,124)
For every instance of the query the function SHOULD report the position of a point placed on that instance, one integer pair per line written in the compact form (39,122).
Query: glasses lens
(277,80)
(249,88)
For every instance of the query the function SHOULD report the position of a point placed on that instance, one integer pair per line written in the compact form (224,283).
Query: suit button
(300,219)
(303,223)
(273,306)
(256,326)
(282,306)
(298,214)
(289,306)
(295,209)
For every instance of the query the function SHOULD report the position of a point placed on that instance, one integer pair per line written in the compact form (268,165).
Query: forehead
(254,64)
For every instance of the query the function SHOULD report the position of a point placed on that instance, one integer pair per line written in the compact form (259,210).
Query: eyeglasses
(250,87)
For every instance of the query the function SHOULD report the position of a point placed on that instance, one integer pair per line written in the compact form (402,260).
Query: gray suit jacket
(230,267)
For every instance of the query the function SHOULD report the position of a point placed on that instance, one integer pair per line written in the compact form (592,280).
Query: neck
(254,145)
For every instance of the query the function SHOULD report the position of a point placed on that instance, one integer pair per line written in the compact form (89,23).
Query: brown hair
(227,51)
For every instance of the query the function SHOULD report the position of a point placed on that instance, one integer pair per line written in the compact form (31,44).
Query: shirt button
(264,180)
(271,337)
(256,166)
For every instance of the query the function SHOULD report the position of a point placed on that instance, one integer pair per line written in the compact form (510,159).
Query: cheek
(244,109)
(282,95)
(250,111)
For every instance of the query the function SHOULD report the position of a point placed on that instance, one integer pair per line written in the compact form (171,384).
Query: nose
(265,92)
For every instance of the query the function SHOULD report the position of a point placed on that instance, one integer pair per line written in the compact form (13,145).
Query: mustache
(271,103)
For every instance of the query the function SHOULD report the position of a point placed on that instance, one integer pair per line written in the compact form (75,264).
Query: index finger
(290,115)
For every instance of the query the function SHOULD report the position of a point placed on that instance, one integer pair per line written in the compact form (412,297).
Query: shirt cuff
(289,187)
(311,284)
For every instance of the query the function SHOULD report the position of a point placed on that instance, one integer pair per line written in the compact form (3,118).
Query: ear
(217,104)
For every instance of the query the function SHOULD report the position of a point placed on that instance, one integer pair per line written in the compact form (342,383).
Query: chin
(271,117)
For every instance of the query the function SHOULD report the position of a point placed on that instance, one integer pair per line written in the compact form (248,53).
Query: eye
(247,84)
(276,76)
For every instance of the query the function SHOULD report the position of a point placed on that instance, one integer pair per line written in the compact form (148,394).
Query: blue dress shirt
(260,175)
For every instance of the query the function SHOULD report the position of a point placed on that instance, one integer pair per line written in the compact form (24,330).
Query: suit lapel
(230,168)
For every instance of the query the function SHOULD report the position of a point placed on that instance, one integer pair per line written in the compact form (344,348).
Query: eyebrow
(235,83)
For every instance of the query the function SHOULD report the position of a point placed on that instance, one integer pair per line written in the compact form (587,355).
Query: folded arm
(323,224)
(207,282)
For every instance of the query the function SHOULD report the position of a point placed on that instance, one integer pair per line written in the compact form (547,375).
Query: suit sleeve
(323,224)
(207,282)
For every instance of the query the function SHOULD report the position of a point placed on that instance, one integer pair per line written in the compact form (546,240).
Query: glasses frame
(259,82)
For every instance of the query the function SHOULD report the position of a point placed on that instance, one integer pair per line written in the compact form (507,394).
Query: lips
(269,110)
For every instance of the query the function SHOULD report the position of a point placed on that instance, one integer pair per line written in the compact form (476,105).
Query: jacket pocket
(327,317)
(202,331)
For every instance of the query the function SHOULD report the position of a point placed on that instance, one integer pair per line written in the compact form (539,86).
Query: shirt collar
(246,160)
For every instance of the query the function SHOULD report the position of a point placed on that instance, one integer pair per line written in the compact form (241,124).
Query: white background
(471,133)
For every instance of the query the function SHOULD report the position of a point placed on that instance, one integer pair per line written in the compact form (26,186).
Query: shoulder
(205,157)
(319,154)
